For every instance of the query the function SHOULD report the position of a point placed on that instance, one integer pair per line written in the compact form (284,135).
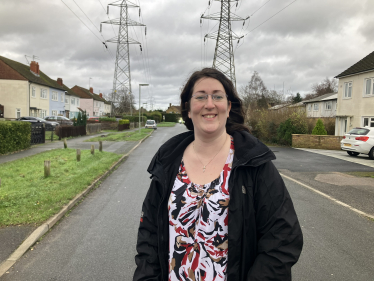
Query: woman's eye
(200,97)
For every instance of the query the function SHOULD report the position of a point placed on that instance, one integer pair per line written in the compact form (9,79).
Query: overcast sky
(306,42)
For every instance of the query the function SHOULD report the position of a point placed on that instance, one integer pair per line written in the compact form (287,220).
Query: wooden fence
(70,131)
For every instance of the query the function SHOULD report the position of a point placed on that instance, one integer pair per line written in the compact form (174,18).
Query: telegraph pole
(224,36)
(122,74)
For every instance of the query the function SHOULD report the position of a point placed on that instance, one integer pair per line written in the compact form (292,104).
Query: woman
(217,208)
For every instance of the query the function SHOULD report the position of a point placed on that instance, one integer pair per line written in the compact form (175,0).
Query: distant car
(33,119)
(359,141)
(59,119)
(94,119)
(151,124)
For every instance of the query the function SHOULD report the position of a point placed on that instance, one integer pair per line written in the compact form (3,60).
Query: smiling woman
(217,208)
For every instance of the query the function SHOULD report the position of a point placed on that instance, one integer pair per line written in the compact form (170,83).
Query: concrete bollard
(92,149)
(100,146)
(65,143)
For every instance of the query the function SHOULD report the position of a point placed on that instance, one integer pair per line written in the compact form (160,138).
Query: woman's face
(209,116)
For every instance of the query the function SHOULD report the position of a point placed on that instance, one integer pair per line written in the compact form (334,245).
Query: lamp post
(140,85)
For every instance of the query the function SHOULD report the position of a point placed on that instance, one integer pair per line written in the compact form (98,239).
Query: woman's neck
(209,145)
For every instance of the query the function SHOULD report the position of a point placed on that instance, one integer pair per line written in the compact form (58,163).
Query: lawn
(166,124)
(48,135)
(26,197)
(125,136)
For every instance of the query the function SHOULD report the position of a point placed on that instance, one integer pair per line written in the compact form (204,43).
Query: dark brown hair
(235,121)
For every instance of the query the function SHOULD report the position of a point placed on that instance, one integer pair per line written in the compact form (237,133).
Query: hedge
(108,119)
(124,121)
(14,136)
(135,118)
(172,117)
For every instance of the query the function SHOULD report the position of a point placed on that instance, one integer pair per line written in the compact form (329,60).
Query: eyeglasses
(204,97)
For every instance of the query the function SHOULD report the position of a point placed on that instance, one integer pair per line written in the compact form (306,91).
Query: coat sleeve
(147,260)
(279,236)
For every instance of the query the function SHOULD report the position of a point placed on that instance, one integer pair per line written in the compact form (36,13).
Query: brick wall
(109,125)
(93,128)
(315,141)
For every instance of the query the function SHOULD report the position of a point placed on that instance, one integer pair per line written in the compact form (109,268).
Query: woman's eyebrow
(214,91)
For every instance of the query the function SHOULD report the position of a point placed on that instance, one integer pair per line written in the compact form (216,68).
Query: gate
(37,133)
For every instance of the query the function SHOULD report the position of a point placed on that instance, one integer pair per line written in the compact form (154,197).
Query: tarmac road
(96,241)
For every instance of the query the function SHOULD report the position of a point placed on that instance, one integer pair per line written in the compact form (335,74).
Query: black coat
(264,235)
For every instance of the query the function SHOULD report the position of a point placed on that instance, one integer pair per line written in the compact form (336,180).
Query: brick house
(173,109)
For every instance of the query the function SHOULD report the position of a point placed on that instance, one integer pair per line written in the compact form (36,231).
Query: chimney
(101,95)
(91,90)
(59,81)
(169,104)
(34,67)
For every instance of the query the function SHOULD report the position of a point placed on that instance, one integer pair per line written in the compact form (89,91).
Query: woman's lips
(209,116)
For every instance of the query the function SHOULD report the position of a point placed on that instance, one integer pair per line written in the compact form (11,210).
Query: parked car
(60,119)
(151,124)
(33,119)
(94,119)
(359,141)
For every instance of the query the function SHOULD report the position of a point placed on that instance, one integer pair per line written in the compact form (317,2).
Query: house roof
(330,96)
(366,64)
(25,71)
(279,106)
(86,94)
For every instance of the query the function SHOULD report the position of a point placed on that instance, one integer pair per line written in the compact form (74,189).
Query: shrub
(319,129)
(295,124)
(135,118)
(172,117)
(108,119)
(123,121)
(14,135)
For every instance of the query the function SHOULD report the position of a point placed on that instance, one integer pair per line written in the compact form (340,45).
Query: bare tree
(123,101)
(325,87)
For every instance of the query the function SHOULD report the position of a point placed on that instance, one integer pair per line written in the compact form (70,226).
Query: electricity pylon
(224,36)
(122,74)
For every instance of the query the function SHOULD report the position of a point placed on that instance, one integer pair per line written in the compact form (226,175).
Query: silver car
(151,124)
(359,141)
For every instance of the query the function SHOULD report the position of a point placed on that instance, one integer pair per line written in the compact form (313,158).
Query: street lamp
(140,85)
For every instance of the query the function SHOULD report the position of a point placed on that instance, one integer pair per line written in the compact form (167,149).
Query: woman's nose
(209,102)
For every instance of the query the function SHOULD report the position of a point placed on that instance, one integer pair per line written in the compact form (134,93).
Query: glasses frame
(206,97)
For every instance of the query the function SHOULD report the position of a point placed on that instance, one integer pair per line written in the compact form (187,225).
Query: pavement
(15,240)
(15,237)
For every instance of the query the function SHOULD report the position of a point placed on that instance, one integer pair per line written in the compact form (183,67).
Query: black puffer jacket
(265,238)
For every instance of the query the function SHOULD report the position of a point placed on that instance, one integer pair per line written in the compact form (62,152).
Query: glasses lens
(218,97)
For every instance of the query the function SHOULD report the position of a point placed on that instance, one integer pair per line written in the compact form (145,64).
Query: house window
(43,114)
(54,112)
(62,97)
(328,105)
(18,112)
(54,96)
(33,94)
(73,101)
(315,106)
(368,121)
(43,93)
(369,87)
(348,89)
(66,100)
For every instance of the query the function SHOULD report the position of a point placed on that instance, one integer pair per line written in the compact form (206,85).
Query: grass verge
(48,136)
(166,124)
(125,136)
(361,174)
(26,197)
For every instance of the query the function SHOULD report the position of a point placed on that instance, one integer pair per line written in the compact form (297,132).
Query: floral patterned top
(198,226)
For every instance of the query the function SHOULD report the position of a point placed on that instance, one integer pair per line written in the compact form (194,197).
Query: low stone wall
(316,141)
(93,128)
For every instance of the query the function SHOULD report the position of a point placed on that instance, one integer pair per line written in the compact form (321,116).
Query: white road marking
(329,197)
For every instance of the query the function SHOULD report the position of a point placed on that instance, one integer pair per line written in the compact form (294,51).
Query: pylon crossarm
(129,41)
(130,22)
(217,16)
(127,4)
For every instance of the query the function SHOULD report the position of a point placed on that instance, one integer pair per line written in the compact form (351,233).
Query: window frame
(328,105)
(347,90)
(72,101)
(54,112)
(315,106)
(54,96)
(18,111)
(370,121)
(43,94)
(33,92)
(371,85)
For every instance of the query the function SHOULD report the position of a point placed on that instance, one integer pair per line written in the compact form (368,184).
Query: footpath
(16,240)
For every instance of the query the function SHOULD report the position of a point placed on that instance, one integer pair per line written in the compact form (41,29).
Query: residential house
(356,96)
(173,109)
(71,101)
(322,106)
(25,90)
(92,103)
